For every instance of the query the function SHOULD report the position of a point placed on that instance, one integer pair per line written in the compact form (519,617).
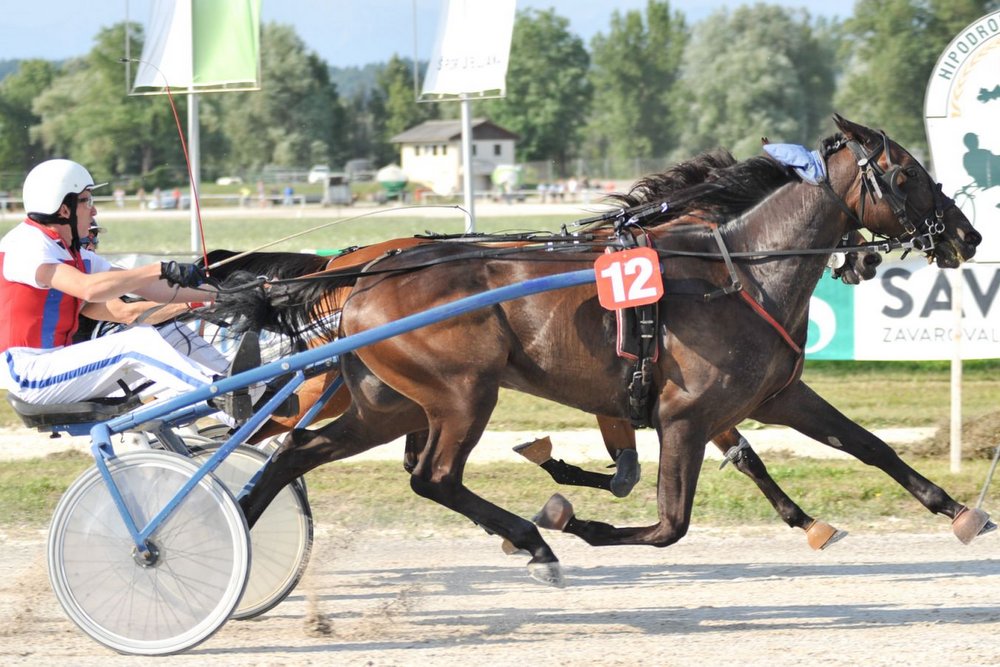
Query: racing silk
(32,315)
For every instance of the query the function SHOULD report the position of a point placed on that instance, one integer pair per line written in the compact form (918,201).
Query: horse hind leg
(682,451)
(619,439)
(737,450)
(303,450)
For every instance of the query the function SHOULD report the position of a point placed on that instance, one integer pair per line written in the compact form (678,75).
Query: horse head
(893,196)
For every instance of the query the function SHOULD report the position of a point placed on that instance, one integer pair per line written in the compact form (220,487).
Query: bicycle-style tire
(190,589)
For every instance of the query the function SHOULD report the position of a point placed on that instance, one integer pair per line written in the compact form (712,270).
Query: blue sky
(342,32)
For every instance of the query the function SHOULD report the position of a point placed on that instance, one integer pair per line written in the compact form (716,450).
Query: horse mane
(713,183)
(273,265)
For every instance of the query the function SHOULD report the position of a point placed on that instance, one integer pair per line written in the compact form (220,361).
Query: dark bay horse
(722,359)
(618,435)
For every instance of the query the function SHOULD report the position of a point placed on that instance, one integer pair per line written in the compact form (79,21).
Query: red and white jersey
(32,315)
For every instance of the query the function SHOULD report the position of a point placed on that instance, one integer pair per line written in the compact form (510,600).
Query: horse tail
(243,304)
(300,309)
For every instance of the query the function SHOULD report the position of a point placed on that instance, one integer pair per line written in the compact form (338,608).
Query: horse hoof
(538,451)
(547,573)
(512,549)
(627,471)
(555,514)
(970,523)
(820,535)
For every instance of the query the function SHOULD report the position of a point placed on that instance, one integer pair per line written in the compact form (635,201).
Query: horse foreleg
(619,440)
(737,450)
(805,411)
(453,431)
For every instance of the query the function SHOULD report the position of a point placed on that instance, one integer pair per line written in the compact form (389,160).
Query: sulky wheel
(183,590)
(281,539)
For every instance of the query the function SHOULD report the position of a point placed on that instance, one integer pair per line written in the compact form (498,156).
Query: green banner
(831,321)
(225,42)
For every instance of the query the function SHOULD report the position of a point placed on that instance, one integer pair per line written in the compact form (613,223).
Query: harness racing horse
(736,312)
(618,435)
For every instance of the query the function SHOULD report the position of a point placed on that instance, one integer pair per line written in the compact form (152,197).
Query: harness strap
(734,281)
(646,317)
(795,347)
(766,316)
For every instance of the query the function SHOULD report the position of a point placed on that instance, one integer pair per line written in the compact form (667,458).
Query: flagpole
(955,432)
(467,184)
(194,154)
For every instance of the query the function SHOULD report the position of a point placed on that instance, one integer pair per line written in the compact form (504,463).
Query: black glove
(181,275)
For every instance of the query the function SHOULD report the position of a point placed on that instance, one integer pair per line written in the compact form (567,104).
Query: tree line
(650,86)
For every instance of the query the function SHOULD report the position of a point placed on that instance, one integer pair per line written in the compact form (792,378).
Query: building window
(434,149)
(474,147)
(496,149)
(444,149)
(416,150)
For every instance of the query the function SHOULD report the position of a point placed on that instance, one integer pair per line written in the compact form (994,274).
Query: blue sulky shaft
(171,408)
(302,360)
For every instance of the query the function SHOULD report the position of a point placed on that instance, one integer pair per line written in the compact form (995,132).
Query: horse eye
(911,172)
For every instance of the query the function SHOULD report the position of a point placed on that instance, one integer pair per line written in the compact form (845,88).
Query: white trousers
(92,368)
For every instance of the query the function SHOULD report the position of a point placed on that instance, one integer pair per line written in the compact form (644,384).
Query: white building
(431,153)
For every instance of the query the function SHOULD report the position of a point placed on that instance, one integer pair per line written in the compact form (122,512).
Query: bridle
(883,184)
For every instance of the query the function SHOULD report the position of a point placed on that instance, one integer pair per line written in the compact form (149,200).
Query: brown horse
(736,311)
(618,435)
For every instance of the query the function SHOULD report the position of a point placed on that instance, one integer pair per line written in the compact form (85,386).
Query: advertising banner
(472,49)
(905,313)
(961,107)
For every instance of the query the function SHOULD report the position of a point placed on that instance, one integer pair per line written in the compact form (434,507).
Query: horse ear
(851,130)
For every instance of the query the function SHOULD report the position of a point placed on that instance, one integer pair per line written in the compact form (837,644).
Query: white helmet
(49,182)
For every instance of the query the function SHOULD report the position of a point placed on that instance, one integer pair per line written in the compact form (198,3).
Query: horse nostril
(973,238)
(873,259)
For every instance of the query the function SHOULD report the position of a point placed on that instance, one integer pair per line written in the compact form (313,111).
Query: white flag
(201,45)
(472,49)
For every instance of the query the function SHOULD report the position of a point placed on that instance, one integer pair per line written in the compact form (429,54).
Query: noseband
(878,183)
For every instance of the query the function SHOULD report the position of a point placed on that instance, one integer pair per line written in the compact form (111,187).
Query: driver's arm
(126,312)
(106,285)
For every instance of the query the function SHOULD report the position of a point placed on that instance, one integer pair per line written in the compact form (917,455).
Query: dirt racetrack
(753,597)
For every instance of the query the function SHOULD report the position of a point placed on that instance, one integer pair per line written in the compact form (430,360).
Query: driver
(47,280)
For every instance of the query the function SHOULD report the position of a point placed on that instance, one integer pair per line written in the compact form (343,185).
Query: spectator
(261,194)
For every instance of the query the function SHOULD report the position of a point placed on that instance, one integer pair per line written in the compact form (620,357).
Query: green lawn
(876,395)
(845,493)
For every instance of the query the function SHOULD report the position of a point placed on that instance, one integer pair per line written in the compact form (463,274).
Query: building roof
(437,131)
